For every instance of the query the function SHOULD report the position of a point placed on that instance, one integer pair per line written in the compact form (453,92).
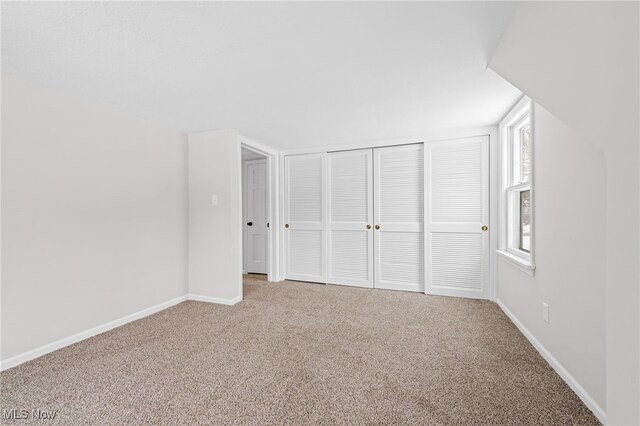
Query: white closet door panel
(306,185)
(398,212)
(400,184)
(400,260)
(349,260)
(349,187)
(305,217)
(456,183)
(457,249)
(306,248)
(350,210)
(456,260)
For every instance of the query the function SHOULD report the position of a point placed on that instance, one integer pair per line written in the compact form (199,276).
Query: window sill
(519,263)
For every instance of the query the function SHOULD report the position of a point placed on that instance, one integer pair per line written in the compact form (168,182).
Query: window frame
(513,195)
(511,187)
(523,121)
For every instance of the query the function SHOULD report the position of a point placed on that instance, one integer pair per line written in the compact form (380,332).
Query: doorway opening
(259,213)
(255,213)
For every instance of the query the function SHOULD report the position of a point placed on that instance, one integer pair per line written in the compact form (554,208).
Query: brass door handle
(484,228)
(286,225)
(368,226)
(377,226)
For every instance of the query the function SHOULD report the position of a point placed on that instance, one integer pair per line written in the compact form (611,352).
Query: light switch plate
(545,312)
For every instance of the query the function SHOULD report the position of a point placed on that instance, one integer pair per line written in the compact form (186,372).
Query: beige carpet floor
(298,353)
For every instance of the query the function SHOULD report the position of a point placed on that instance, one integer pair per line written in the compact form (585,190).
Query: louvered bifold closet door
(398,213)
(350,207)
(304,217)
(457,216)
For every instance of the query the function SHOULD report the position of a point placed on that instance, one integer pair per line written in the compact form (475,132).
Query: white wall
(215,232)
(581,61)
(570,255)
(94,214)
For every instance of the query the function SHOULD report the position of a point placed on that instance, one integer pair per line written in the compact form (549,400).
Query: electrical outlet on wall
(545,312)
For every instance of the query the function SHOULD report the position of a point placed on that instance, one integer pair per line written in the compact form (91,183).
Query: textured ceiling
(288,74)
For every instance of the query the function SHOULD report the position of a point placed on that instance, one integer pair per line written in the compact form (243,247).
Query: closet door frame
(365,226)
(484,131)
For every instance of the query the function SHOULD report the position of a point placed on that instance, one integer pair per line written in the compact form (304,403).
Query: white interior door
(457,214)
(256,217)
(305,217)
(398,213)
(350,218)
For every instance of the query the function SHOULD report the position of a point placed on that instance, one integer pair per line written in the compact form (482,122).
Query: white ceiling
(287,74)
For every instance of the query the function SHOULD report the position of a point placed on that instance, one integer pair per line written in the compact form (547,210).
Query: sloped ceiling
(583,67)
(288,74)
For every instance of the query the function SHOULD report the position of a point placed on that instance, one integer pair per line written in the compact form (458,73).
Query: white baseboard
(43,350)
(562,372)
(218,300)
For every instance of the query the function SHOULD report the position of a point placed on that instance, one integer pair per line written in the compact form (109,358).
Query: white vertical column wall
(215,231)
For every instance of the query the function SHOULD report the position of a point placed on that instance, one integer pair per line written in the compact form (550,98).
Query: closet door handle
(249,223)
(377,226)
(368,226)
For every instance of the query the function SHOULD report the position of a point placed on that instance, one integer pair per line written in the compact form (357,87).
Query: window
(516,140)
(524,241)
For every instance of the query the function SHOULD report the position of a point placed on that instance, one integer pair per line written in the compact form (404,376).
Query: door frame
(245,212)
(273,201)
